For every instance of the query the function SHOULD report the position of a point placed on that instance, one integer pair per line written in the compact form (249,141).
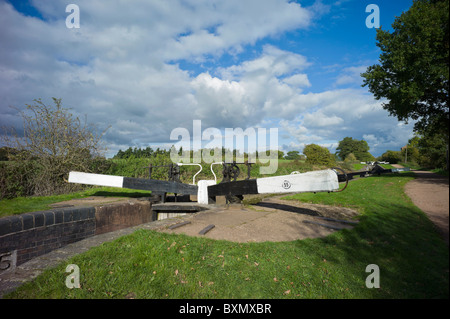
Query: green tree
(6,152)
(413,74)
(119,155)
(410,153)
(316,154)
(351,158)
(393,157)
(433,150)
(359,148)
(292,155)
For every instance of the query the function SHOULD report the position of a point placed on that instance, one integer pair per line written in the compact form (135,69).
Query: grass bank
(20,205)
(392,233)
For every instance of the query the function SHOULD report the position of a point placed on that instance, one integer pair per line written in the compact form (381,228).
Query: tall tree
(359,148)
(292,155)
(413,74)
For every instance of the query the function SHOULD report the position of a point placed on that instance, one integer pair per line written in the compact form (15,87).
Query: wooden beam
(175,207)
(132,183)
(206,229)
(96,179)
(158,185)
(316,181)
(178,225)
(233,188)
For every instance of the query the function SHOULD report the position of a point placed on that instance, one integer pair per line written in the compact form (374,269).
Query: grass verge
(392,233)
(20,205)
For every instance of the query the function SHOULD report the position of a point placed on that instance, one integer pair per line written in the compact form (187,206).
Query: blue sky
(150,67)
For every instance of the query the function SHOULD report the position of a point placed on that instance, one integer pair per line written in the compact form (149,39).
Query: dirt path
(430,192)
(273,219)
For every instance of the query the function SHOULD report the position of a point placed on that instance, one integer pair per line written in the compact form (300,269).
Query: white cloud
(298,80)
(117,65)
(335,114)
(248,92)
(350,75)
(235,23)
(273,62)
(121,69)
(319,119)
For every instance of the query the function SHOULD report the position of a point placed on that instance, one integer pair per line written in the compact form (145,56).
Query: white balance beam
(132,183)
(316,181)
(96,179)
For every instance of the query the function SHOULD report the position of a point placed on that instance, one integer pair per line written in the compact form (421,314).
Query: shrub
(318,155)
(53,143)
(393,157)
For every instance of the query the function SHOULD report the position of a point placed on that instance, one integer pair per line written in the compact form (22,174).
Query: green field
(392,233)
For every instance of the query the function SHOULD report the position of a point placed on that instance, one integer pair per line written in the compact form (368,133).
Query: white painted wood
(202,195)
(95,179)
(316,181)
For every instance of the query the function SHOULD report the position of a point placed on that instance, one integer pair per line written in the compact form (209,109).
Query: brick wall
(112,217)
(33,234)
(38,233)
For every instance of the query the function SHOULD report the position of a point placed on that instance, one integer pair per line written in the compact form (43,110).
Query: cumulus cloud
(335,114)
(273,62)
(118,67)
(298,80)
(122,68)
(350,75)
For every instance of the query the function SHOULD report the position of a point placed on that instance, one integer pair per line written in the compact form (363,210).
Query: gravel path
(430,192)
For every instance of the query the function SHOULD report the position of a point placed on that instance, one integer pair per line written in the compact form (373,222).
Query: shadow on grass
(396,175)
(393,234)
(412,258)
(432,178)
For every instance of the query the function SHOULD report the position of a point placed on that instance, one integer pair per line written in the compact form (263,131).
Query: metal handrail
(215,163)
(201,168)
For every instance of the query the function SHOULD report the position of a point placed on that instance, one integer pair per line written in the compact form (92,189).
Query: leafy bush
(16,179)
(351,158)
(316,154)
(393,157)
(53,143)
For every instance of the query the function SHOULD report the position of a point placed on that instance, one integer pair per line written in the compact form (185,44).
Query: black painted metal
(242,187)
(158,185)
